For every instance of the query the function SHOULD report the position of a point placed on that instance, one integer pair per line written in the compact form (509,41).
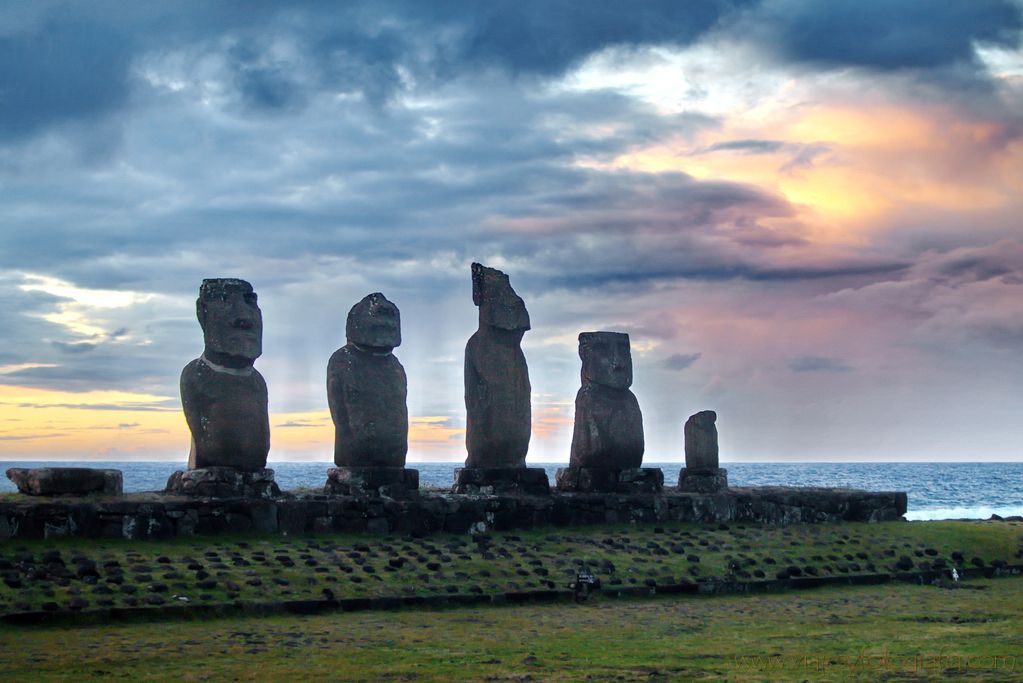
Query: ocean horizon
(940,490)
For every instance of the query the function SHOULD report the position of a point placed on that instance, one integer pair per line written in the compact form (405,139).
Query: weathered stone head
(607,359)
(500,307)
(701,441)
(231,321)
(374,323)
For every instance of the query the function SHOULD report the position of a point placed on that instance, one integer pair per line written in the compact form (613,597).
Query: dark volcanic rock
(367,388)
(393,482)
(608,423)
(511,480)
(497,389)
(223,396)
(223,482)
(587,479)
(607,442)
(701,441)
(701,473)
(53,481)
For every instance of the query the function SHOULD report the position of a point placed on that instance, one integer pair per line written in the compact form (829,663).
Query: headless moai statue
(366,391)
(224,397)
(701,473)
(607,441)
(497,390)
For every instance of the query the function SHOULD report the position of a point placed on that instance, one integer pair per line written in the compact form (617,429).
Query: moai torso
(608,430)
(227,416)
(367,389)
(701,441)
(497,390)
(223,396)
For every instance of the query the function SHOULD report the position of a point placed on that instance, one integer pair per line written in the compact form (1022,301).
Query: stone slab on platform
(389,482)
(703,480)
(223,482)
(62,481)
(602,479)
(497,480)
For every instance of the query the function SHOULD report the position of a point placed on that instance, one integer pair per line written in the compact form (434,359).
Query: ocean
(943,490)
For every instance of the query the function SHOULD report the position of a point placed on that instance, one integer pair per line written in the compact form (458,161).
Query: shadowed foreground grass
(896,631)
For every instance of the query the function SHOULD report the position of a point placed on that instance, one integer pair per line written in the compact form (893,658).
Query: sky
(806,215)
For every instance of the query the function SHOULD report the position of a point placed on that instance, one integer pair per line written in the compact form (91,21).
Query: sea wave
(963,513)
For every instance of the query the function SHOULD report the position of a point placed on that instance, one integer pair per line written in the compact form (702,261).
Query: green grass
(895,631)
(250,568)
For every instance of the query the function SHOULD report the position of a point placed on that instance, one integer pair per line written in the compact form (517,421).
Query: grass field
(894,631)
(79,574)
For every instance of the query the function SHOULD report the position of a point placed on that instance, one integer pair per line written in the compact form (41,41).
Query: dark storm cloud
(681,361)
(889,35)
(501,157)
(75,347)
(749,146)
(818,364)
(538,36)
(800,155)
(68,62)
(60,70)
(162,407)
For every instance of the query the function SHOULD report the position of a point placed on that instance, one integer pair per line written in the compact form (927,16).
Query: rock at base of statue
(709,480)
(388,482)
(223,482)
(606,480)
(66,481)
(490,480)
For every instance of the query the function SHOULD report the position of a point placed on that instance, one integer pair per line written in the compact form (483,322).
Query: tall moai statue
(497,392)
(701,473)
(607,441)
(366,391)
(224,398)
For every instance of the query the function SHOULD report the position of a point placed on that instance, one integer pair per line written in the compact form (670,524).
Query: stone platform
(152,515)
(66,481)
(391,482)
(703,480)
(602,479)
(223,482)
(530,481)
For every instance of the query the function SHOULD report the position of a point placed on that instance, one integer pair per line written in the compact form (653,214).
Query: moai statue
(224,398)
(607,442)
(366,391)
(498,419)
(701,473)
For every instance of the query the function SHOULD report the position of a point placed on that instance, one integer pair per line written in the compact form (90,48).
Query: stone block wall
(150,516)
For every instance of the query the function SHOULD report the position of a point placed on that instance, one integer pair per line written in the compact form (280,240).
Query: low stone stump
(66,481)
(709,480)
(223,482)
(389,482)
(491,480)
(606,480)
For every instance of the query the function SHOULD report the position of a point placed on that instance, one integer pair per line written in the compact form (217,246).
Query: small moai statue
(497,393)
(701,473)
(366,391)
(607,441)
(224,398)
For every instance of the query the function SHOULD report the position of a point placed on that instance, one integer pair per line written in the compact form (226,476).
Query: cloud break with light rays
(806,215)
